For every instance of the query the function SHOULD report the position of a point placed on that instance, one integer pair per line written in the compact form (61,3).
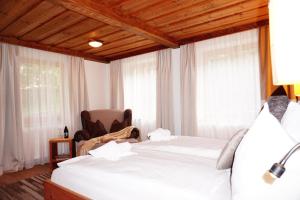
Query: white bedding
(183,168)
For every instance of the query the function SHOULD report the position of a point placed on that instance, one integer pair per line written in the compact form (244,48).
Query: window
(228,87)
(139,75)
(40,95)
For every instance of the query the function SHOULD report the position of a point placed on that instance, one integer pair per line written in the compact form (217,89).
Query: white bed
(183,168)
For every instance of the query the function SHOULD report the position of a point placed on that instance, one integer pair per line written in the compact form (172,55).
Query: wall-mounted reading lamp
(284,41)
(278,169)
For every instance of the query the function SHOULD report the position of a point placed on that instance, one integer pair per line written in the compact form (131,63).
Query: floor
(8,178)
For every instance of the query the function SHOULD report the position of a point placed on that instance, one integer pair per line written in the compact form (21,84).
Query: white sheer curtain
(53,93)
(188,89)
(164,110)
(11,144)
(2,105)
(41,92)
(228,83)
(139,74)
(116,85)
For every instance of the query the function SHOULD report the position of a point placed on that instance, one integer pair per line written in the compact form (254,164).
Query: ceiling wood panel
(119,35)
(117,44)
(166,7)
(35,17)
(216,15)
(111,3)
(126,47)
(128,7)
(135,51)
(197,10)
(85,47)
(126,27)
(228,29)
(11,10)
(111,38)
(98,33)
(54,26)
(72,31)
(193,30)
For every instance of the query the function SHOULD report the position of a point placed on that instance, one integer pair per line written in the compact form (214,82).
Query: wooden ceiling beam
(96,10)
(15,41)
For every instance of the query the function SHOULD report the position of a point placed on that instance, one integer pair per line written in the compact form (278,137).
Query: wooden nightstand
(54,157)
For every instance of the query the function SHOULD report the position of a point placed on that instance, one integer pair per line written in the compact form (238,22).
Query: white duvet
(180,169)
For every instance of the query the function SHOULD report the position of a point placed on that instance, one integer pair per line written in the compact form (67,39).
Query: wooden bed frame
(54,191)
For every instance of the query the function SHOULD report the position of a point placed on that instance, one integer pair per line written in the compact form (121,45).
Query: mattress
(183,168)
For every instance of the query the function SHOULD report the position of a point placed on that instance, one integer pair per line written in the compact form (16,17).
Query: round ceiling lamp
(95,43)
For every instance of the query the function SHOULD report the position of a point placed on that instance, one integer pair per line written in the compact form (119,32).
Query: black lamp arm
(288,155)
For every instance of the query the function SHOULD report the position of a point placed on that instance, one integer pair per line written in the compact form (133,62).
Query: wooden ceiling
(126,27)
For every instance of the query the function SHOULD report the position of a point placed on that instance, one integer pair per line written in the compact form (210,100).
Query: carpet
(26,189)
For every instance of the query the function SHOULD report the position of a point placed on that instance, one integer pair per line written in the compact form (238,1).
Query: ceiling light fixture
(95,43)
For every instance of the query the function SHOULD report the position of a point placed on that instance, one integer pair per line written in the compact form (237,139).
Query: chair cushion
(116,126)
(95,128)
(107,116)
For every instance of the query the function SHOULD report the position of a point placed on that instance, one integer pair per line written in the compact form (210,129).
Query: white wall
(98,84)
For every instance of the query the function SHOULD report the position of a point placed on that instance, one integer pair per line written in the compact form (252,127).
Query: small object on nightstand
(54,156)
(66,132)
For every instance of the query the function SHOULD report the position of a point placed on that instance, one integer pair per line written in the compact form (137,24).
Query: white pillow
(265,143)
(225,159)
(291,121)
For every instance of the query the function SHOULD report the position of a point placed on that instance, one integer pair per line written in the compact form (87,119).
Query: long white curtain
(228,83)
(2,104)
(11,144)
(53,95)
(164,104)
(116,85)
(139,74)
(43,93)
(188,89)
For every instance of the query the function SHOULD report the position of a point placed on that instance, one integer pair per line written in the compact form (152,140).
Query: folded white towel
(160,135)
(112,151)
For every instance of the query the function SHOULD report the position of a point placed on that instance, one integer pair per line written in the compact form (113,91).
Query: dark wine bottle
(66,132)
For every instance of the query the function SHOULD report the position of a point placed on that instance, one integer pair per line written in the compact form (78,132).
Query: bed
(182,168)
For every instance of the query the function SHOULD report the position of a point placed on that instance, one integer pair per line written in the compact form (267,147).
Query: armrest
(82,135)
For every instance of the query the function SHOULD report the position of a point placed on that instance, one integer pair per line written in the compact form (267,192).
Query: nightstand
(54,156)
